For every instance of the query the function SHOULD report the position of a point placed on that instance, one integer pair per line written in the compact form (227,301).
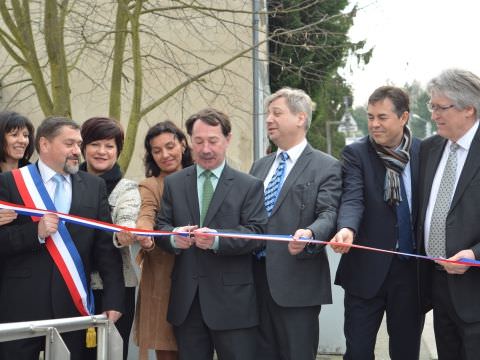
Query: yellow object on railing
(91,339)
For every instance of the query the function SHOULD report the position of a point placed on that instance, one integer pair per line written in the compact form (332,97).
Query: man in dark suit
(449,225)
(380,172)
(212,301)
(32,287)
(293,279)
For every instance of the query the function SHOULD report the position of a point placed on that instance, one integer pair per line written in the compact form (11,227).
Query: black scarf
(111,177)
(394,161)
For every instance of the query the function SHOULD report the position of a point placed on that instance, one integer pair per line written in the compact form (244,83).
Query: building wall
(177,45)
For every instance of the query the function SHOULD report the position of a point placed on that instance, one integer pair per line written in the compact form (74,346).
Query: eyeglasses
(438,108)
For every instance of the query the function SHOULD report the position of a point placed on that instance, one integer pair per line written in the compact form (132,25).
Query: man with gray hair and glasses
(302,192)
(449,226)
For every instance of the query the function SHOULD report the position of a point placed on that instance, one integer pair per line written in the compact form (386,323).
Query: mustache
(73,157)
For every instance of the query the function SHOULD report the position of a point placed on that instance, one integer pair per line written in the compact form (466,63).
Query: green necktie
(207,194)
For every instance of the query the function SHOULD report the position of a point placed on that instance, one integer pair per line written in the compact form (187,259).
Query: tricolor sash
(60,245)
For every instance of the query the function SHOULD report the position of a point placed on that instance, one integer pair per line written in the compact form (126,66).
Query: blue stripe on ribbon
(269,237)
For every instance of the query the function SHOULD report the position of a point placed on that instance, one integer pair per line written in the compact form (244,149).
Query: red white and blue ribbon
(34,212)
(60,245)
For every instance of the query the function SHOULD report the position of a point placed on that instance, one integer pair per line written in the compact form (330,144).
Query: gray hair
(460,86)
(297,101)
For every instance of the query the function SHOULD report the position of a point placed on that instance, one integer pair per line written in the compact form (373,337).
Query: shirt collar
(466,140)
(294,152)
(217,171)
(47,173)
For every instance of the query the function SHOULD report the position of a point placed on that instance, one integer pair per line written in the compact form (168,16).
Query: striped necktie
(275,184)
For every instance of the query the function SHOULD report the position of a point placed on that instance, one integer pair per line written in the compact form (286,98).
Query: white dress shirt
(293,155)
(47,175)
(464,146)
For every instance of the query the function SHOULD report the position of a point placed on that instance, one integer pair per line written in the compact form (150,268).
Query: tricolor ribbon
(24,210)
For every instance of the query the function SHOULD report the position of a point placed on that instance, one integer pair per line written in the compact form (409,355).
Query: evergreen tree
(313,57)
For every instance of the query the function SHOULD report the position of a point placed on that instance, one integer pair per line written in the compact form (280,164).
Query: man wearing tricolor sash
(46,263)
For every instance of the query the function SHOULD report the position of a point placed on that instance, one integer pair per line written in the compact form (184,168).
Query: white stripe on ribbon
(285,238)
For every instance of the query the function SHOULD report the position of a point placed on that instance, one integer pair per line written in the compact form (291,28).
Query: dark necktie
(207,194)
(405,230)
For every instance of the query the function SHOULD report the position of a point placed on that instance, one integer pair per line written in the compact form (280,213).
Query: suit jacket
(32,287)
(462,225)
(309,199)
(373,220)
(223,278)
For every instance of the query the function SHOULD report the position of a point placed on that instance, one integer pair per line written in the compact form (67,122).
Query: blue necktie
(272,191)
(405,232)
(60,198)
(275,184)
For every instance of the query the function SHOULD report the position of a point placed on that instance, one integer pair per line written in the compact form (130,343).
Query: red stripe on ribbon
(108,227)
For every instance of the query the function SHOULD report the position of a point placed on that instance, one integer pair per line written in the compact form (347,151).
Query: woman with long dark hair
(166,151)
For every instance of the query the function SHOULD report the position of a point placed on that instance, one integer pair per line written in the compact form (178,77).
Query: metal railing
(109,341)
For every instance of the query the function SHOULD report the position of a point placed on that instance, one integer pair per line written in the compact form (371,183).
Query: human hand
(125,238)
(113,315)
(296,247)
(7,216)
(185,242)
(48,225)
(343,236)
(145,242)
(457,269)
(203,241)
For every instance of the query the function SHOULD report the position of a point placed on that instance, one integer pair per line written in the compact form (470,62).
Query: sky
(413,40)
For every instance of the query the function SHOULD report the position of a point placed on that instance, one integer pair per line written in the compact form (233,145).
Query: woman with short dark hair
(102,143)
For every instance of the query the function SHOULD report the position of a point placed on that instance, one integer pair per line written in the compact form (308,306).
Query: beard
(71,169)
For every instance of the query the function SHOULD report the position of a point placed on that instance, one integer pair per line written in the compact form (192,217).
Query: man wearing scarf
(378,209)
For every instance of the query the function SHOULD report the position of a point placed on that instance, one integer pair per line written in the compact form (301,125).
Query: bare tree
(134,55)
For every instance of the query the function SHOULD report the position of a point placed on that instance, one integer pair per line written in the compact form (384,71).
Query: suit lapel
(378,168)
(414,168)
(265,166)
(432,160)
(292,177)
(78,191)
(472,164)
(223,187)
(192,194)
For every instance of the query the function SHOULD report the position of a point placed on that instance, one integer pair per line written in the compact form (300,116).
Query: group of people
(99,192)
(215,285)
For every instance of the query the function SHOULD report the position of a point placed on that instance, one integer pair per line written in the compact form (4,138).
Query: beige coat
(125,203)
(152,331)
